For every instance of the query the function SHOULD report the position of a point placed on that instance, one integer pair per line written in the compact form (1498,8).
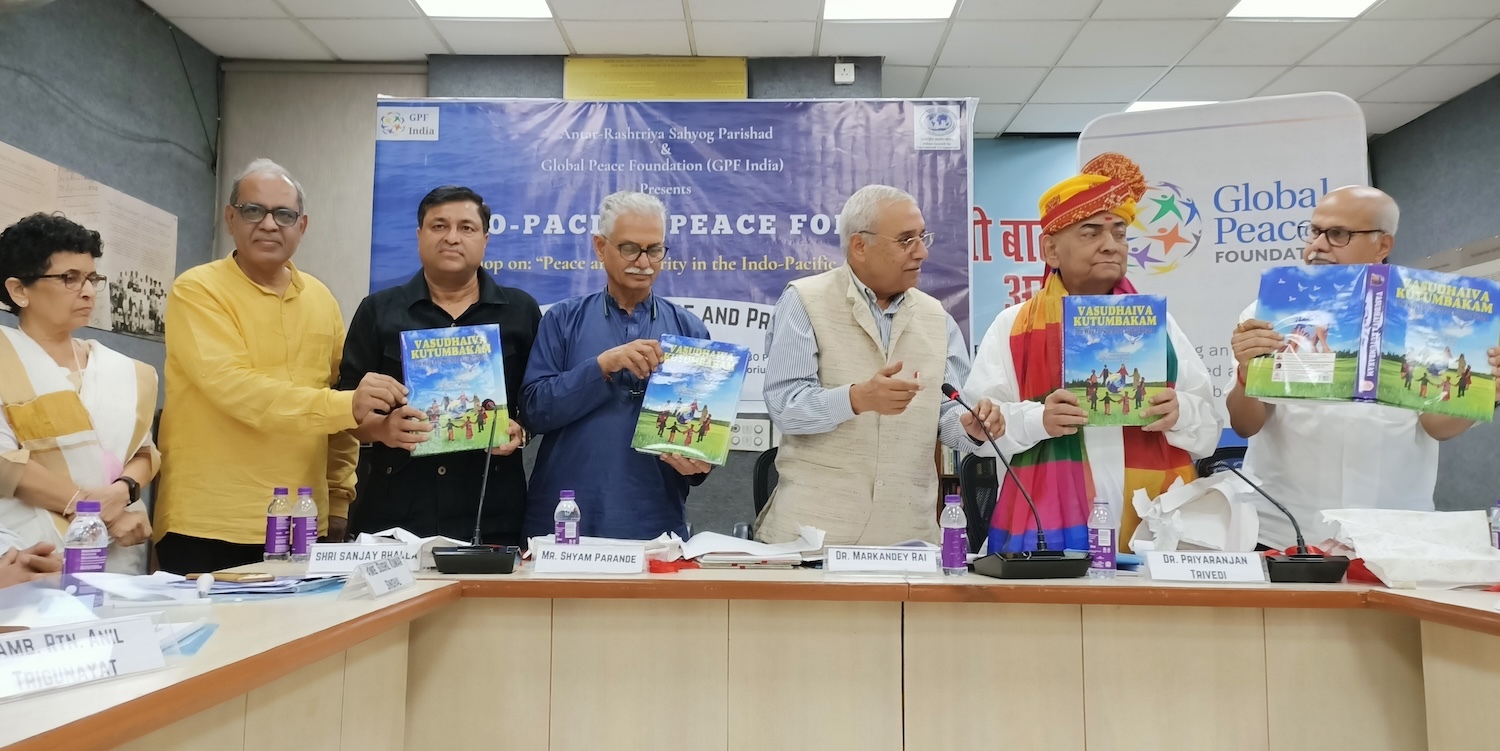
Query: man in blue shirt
(585,381)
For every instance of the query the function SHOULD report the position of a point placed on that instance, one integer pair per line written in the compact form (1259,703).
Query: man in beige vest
(855,359)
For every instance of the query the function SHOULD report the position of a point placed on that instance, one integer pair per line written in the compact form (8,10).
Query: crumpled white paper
(1420,549)
(418,549)
(666,547)
(1210,513)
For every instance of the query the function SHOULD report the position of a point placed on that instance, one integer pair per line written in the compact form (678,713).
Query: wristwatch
(133,486)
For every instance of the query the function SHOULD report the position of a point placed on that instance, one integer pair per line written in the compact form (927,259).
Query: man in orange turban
(1064,463)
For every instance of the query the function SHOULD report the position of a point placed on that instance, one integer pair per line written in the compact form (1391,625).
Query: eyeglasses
(254,213)
(74,279)
(632,251)
(1338,237)
(907,243)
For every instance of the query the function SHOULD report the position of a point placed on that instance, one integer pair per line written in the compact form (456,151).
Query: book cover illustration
(1320,310)
(1115,355)
(456,375)
(692,400)
(1434,353)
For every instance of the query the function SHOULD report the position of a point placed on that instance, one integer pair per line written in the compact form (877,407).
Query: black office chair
(764,480)
(979,486)
(1234,456)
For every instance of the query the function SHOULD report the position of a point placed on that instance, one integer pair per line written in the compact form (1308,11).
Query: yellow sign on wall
(655,78)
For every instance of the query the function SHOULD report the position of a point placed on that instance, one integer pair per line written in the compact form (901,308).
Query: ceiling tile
(216,8)
(262,39)
(483,37)
(760,10)
(1390,42)
(1133,9)
(1026,10)
(628,37)
(992,118)
(1059,118)
(902,81)
(1435,9)
(991,85)
(615,10)
(351,8)
(378,39)
(1068,85)
(1429,83)
(1134,42)
(901,42)
(1262,42)
(1189,84)
(1351,81)
(1384,118)
(996,43)
(754,38)
(1479,48)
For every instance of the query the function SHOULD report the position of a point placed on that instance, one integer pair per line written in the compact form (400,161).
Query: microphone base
(1038,564)
(1307,569)
(476,559)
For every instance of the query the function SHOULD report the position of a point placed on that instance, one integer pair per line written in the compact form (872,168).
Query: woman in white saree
(75,416)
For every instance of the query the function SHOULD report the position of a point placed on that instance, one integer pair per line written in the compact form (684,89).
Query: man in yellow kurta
(253,349)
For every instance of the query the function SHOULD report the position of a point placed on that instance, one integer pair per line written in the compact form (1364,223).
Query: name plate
(1205,566)
(328,558)
(590,559)
(43,659)
(873,560)
(385,575)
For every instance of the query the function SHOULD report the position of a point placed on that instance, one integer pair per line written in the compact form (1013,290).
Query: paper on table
(1421,549)
(809,540)
(667,547)
(421,547)
(1211,513)
(158,586)
(38,605)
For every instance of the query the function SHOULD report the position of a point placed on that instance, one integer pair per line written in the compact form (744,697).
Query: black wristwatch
(133,486)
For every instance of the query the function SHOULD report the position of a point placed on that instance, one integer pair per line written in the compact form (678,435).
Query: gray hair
(628,202)
(863,209)
(265,166)
(1387,213)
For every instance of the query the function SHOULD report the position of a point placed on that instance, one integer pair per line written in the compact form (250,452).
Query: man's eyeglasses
(74,279)
(632,251)
(254,213)
(906,243)
(1338,237)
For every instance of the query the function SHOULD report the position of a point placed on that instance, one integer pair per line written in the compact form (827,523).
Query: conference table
(800,659)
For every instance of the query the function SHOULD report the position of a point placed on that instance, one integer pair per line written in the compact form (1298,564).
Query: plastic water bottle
(304,525)
(85,547)
(1101,541)
(567,516)
(279,526)
(1495,525)
(955,537)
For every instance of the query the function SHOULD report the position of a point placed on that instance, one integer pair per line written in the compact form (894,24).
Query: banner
(752,189)
(1232,187)
(1010,175)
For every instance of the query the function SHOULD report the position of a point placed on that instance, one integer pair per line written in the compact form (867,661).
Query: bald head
(1352,225)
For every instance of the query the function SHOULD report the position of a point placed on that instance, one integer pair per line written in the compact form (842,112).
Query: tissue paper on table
(666,547)
(418,549)
(1420,549)
(1210,513)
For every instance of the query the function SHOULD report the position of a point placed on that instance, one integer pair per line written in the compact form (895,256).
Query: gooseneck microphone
(476,557)
(1041,563)
(1301,567)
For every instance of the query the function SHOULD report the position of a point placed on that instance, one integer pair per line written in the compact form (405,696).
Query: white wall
(318,121)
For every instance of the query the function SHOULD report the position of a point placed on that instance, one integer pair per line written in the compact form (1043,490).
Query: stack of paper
(281,585)
(714,549)
(667,547)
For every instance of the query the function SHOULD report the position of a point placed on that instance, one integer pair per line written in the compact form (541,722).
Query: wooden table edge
(150,712)
(1043,594)
(686,589)
(1427,611)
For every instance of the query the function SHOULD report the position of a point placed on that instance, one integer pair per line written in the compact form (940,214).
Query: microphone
(1301,567)
(1041,563)
(476,557)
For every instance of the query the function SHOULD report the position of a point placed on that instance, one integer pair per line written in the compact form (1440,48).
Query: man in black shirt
(439,494)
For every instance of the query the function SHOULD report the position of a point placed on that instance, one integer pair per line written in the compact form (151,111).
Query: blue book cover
(692,400)
(1320,311)
(1115,355)
(1434,351)
(456,375)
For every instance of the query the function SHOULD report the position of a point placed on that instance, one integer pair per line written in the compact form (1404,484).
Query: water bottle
(304,525)
(85,547)
(1101,541)
(955,537)
(1495,525)
(567,516)
(279,526)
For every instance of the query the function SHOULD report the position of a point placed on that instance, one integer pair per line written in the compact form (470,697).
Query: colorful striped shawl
(1056,470)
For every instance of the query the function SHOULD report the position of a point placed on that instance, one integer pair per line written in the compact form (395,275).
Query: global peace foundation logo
(392,123)
(1166,231)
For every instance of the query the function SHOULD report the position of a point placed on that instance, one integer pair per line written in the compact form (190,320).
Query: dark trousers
(184,555)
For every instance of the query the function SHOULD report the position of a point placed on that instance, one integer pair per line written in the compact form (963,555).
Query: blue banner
(752,189)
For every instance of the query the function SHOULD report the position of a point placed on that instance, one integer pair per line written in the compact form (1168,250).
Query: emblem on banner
(406,123)
(1166,231)
(936,127)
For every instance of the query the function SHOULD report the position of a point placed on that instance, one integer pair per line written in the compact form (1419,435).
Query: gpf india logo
(1166,231)
(392,124)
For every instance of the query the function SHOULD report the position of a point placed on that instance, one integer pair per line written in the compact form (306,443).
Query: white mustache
(1320,257)
(638,271)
